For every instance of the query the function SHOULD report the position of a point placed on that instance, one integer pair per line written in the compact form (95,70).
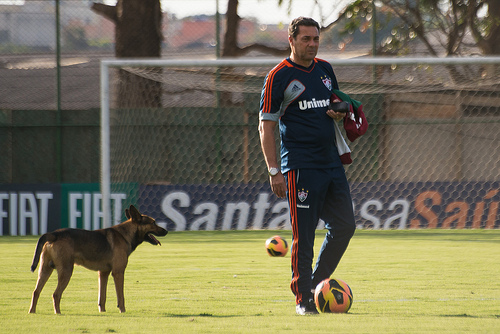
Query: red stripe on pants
(292,196)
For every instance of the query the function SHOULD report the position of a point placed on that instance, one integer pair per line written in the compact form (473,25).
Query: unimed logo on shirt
(304,104)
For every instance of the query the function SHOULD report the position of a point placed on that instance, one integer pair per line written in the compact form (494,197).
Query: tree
(485,29)
(231,47)
(445,21)
(137,35)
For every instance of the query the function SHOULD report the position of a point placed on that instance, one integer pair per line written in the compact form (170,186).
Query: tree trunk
(493,38)
(137,35)
(230,45)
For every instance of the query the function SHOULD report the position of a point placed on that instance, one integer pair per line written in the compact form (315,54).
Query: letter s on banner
(426,211)
(366,215)
(168,209)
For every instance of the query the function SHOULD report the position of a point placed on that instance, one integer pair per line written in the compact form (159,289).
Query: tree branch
(107,11)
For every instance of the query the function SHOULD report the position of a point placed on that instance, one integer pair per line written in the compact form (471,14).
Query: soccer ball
(276,246)
(333,296)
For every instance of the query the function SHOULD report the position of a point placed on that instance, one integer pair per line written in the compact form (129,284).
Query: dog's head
(148,228)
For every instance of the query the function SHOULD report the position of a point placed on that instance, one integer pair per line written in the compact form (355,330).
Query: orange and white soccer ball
(276,246)
(333,296)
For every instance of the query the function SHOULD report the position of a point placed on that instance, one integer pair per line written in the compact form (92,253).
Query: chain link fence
(434,125)
(49,81)
(430,120)
(188,153)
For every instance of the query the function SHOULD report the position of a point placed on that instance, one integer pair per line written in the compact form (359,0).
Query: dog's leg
(64,273)
(119,278)
(103,283)
(43,275)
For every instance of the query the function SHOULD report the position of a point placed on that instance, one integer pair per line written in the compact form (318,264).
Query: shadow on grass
(464,315)
(203,315)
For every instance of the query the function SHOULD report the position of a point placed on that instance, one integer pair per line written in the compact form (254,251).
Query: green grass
(440,281)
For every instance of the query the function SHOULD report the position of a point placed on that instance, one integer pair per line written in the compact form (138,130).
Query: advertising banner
(37,209)
(391,205)
(29,209)
(377,205)
(34,209)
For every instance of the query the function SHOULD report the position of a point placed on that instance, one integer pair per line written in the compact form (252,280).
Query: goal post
(433,122)
(105,146)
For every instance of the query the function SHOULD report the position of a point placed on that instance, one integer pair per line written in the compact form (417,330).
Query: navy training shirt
(298,98)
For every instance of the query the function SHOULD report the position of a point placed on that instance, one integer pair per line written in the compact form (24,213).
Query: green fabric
(344,97)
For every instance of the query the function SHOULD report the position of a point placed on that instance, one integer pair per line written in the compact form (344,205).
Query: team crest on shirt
(327,82)
(302,195)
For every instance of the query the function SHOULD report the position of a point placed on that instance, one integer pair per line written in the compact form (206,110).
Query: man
(296,94)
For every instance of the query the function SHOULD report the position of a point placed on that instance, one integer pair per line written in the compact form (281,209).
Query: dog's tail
(39,246)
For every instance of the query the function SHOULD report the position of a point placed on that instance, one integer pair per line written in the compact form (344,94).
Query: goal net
(180,140)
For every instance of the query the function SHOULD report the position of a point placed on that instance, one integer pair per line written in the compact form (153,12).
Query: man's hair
(293,28)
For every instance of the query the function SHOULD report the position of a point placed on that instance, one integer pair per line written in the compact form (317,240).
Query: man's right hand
(278,185)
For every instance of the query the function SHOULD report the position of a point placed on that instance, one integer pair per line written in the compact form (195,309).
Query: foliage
(14,48)
(74,38)
(442,26)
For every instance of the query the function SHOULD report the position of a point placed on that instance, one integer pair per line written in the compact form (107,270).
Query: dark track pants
(314,194)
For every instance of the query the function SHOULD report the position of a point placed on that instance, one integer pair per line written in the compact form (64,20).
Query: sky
(265,11)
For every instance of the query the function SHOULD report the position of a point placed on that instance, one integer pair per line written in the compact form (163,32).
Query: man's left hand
(338,116)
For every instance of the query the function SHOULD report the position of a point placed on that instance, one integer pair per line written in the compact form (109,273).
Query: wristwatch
(273,171)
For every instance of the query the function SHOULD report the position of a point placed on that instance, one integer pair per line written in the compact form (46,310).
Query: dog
(105,250)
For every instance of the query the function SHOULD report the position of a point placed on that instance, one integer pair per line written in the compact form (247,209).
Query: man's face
(305,45)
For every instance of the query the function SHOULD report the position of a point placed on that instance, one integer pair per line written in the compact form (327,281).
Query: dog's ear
(134,214)
(127,214)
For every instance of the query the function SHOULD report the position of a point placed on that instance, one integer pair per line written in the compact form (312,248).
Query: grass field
(440,281)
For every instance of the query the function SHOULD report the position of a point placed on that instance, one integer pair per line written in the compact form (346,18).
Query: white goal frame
(106,64)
